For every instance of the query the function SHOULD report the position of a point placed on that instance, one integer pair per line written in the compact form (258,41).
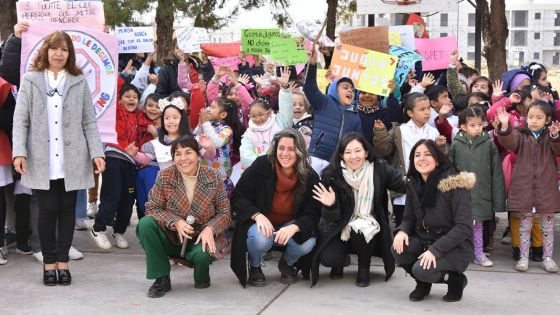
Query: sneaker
(74,254)
(549,265)
(92,210)
(522,264)
(3,254)
(483,261)
(288,274)
(38,257)
(81,225)
(120,240)
(256,277)
(506,240)
(24,249)
(100,239)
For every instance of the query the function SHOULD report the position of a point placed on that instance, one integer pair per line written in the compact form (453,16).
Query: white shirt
(451,119)
(54,113)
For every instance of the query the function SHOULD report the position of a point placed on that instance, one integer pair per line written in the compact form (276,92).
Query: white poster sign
(310,30)
(135,39)
(407,35)
(190,38)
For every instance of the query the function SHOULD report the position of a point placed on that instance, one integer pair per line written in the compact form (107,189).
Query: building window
(557,19)
(471,39)
(470,55)
(537,35)
(519,38)
(472,19)
(557,39)
(443,19)
(520,18)
(536,56)
(443,34)
(537,16)
(556,59)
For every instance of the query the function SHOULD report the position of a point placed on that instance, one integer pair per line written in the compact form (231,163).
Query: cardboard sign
(221,50)
(436,51)
(407,59)
(190,38)
(135,39)
(407,35)
(372,38)
(379,70)
(71,13)
(310,30)
(96,56)
(258,41)
(286,51)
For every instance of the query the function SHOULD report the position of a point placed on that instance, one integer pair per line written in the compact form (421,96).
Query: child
(439,97)
(303,115)
(533,186)
(482,85)
(264,124)
(119,178)
(474,151)
(402,138)
(221,124)
(148,120)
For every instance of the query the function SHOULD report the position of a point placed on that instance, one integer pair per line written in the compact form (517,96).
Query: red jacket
(143,135)
(126,127)
(5,147)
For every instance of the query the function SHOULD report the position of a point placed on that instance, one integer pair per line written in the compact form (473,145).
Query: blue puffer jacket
(331,119)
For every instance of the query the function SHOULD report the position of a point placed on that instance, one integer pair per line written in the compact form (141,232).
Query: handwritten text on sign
(436,51)
(286,51)
(84,13)
(135,39)
(258,41)
(190,38)
(407,59)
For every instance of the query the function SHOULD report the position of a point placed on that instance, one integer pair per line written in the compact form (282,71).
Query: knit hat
(516,80)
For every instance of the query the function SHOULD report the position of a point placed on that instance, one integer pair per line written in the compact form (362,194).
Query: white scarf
(361,182)
(305,116)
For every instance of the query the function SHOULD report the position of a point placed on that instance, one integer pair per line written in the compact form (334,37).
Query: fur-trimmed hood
(464,180)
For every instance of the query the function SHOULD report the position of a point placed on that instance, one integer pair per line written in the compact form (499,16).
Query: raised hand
(20,28)
(223,70)
(554,128)
(498,88)
(324,196)
(243,79)
(515,98)
(128,68)
(284,77)
(203,116)
(503,116)
(427,80)
(293,86)
(441,140)
(378,124)
(258,79)
(454,57)
(446,109)
(153,78)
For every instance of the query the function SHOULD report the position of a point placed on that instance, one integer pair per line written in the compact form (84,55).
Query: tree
(8,18)
(338,11)
(494,34)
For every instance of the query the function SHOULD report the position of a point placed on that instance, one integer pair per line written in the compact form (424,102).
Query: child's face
(171,120)
(481,86)
(270,67)
(543,79)
(299,106)
(233,96)
(367,99)
(525,83)
(152,110)
(473,127)
(536,118)
(215,112)
(259,115)
(474,100)
(345,93)
(129,100)
(420,114)
(443,99)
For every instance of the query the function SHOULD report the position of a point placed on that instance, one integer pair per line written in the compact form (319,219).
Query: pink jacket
(212,92)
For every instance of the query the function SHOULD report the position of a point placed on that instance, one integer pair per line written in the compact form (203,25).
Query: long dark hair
(184,128)
(442,160)
(334,169)
(232,120)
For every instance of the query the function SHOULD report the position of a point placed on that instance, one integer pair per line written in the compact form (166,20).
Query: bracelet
(255,216)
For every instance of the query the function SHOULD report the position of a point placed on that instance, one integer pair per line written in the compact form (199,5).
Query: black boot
(422,290)
(159,287)
(363,276)
(456,283)
(288,274)
(537,254)
(337,273)
(516,253)
(256,277)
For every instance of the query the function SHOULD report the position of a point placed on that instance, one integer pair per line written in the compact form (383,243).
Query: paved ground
(112,282)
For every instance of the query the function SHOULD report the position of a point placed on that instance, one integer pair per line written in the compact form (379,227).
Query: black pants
(56,209)
(23,229)
(398,211)
(2,214)
(117,195)
(409,257)
(334,254)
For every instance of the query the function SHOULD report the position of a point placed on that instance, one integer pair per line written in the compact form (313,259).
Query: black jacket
(11,58)
(167,79)
(445,228)
(253,193)
(335,218)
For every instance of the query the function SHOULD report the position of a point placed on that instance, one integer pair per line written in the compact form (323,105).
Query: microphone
(190,221)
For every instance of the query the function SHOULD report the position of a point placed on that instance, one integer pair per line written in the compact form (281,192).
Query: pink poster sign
(96,56)
(435,51)
(68,13)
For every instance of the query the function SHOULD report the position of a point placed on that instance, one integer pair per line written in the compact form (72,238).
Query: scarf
(305,116)
(261,136)
(361,220)
(427,191)
(264,127)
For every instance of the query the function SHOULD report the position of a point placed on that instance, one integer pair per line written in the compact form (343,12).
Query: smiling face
(286,153)
(442,99)
(473,127)
(129,100)
(259,115)
(420,114)
(367,99)
(186,161)
(152,110)
(481,86)
(536,118)
(424,162)
(345,93)
(354,155)
(543,79)
(299,105)
(171,120)
(58,56)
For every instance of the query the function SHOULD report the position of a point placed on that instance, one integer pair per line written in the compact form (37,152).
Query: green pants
(158,247)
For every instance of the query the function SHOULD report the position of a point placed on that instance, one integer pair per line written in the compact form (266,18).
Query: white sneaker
(3,254)
(38,257)
(120,240)
(549,265)
(81,225)
(74,254)
(100,239)
(506,240)
(92,210)
(483,261)
(522,264)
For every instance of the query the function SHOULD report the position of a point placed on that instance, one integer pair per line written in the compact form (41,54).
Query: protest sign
(85,13)
(231,62)
(286,51)
(379,70)
(407,35)
(258,41)
(394,39)
(96,56)
(135,39)
(405,6)
(347,61)
(190,38)
(322,80)
(221,50)
(372,38)
(310,30)
(436,51)
(407,59)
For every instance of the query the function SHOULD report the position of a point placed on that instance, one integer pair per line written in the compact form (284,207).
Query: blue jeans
(81,205)
(258,244)
(145,180)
